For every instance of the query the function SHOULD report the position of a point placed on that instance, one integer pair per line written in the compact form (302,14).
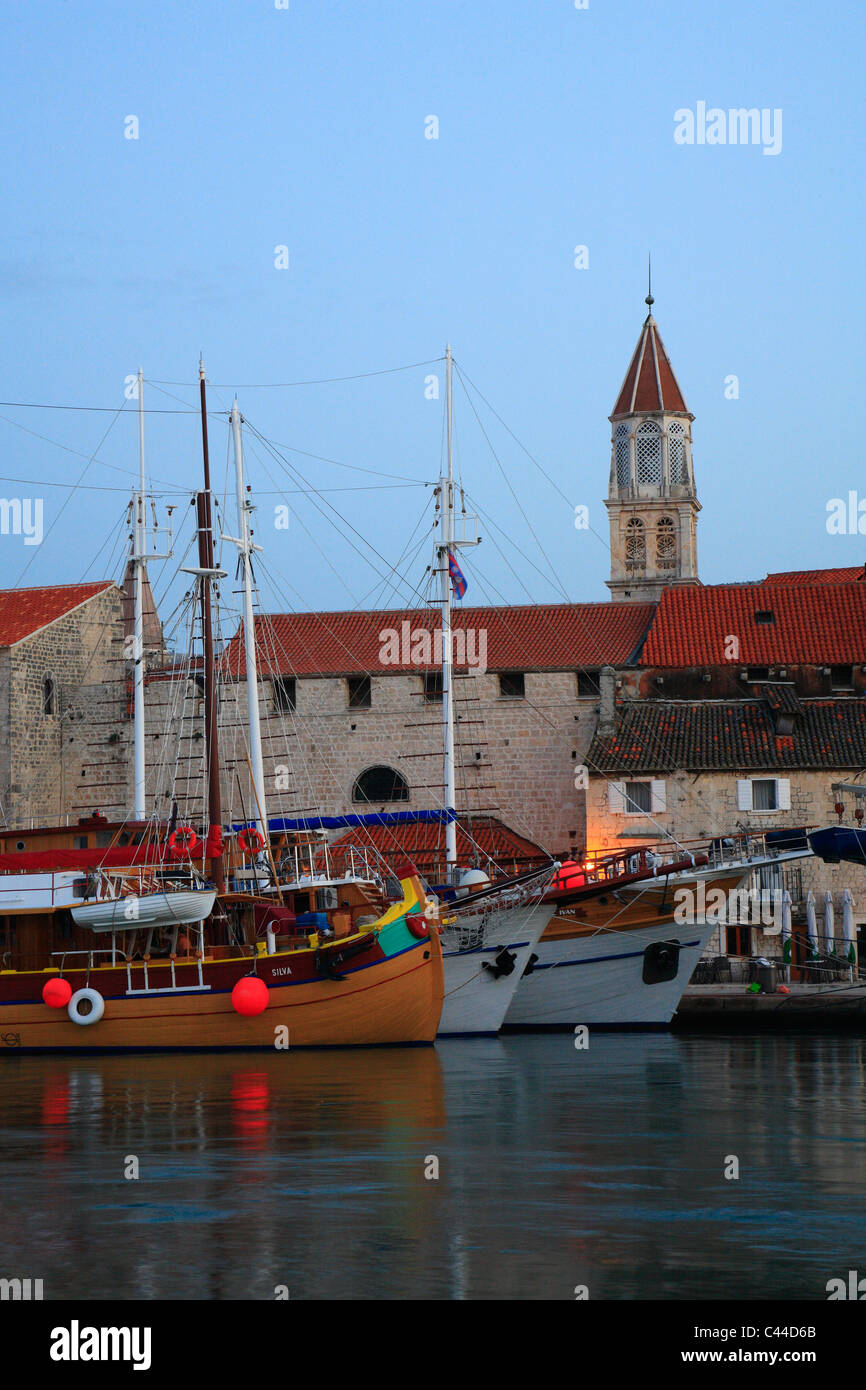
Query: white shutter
(783,794)
(659,799)
(616,798)
(744,794)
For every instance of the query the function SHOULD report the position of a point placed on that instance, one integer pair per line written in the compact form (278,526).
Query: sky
(258,127)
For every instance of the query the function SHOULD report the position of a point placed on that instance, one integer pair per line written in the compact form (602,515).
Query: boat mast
(206,566)
(447,537)
(245,546)
(138,561)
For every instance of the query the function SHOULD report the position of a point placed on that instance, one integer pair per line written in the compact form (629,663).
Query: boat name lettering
(281,970)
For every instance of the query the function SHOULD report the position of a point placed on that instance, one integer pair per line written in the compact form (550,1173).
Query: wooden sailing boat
(215,985)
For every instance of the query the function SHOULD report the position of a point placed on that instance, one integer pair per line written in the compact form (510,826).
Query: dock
(734,1006)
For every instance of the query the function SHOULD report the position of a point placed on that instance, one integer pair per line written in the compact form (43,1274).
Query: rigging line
(522,446)
(312,494)
(556,580)
(93,487)
(319,381)
(67,450)
(355,467)
(400,559)
(70,495)
(92,409)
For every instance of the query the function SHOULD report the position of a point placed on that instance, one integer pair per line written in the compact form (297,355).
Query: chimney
(607,707)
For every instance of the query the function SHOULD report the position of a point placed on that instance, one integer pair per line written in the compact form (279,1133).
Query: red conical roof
(650,383)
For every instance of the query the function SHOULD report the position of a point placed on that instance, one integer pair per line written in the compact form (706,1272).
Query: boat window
(379,784)
(103,839)
(79,842)
(79,888)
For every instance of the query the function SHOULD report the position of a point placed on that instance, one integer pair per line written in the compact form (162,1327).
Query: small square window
(512,685)
(587,685)
(638,797)
(764,794)
(285,693)
(360,695)
(757,673)
(765,617)
(433,687)
(842,677)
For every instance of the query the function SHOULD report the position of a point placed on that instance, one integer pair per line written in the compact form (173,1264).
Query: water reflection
(557,1167)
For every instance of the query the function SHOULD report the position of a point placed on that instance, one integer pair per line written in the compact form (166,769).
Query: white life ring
(97,1006)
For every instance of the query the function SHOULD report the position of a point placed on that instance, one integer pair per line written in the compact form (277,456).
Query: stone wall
(41,769)
(517,758)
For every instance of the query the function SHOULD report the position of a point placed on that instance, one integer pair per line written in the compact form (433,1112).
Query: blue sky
(305,127)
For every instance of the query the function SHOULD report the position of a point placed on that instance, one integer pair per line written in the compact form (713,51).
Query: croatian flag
(458,579)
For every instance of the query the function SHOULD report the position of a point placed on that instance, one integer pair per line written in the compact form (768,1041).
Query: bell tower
(652,503)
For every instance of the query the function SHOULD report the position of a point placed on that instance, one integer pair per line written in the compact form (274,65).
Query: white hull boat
(484,953)
(179,908)
(602,979)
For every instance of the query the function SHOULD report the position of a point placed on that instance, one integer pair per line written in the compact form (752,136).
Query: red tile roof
(650,383)
(544,637)
(662,736)
(25,611)
(817,624)
(424,844)
(850,574)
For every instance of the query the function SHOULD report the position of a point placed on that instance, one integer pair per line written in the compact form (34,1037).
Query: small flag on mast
(458,579)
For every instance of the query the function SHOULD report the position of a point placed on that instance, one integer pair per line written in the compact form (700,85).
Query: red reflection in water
(55,1115)
(251,1102)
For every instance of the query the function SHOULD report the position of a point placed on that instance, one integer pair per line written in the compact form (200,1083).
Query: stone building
(652,502)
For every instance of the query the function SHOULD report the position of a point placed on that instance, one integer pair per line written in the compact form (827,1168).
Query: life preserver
(418,925)
(97,1007)
(251,840)
(185,838)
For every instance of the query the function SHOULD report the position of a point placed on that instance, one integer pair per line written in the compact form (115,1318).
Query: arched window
(677,453)
(49,696)
(666,544)
(648,453)
(379,784)
(635,545)
(623,465)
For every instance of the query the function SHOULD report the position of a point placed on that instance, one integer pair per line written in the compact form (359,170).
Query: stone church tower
(652,503)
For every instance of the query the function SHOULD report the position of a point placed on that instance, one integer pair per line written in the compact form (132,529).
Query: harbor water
(522,1167)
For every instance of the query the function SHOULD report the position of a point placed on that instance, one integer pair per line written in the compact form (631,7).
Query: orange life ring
(418,925)
(251,840)
(184,838)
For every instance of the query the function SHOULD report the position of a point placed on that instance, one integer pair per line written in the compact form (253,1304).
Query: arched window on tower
(666,544)
(621,453)
(635,545)
(379,784)
(49,696)
(677,453)
(648,453)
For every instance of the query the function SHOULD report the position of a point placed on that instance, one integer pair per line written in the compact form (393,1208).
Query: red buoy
(57,993)
(250,996)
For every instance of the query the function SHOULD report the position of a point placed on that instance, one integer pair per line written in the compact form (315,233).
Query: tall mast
(138,562)
(245,547)
(206,566)
(447,537)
